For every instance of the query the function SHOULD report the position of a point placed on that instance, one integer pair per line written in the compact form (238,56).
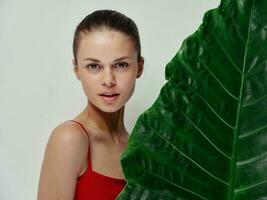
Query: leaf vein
(236,29)
(255,101)
(224,51)
(179,186)
(229,125)
(220,83)
(244,135)
(250,187)
(235,141)
(250,160)
(190,159)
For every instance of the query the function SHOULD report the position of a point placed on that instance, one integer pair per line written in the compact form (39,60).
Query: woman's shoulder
(69,133)
(67,141)
(64,158)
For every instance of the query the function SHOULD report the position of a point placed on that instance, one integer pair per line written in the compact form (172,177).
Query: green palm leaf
(205,136)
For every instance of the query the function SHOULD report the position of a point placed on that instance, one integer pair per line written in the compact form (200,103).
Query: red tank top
(96,186)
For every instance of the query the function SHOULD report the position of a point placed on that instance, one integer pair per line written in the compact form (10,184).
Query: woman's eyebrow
(121,58)
(92,59)
(116,60)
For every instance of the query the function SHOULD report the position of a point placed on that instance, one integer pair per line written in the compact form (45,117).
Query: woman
(82,157)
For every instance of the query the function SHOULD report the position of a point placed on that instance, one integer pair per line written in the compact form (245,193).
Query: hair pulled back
(108,19)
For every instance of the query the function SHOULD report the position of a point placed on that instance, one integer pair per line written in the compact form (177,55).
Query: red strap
(89,153)
(80,125)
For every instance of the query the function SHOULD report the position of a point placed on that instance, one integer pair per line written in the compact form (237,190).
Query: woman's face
(107,67)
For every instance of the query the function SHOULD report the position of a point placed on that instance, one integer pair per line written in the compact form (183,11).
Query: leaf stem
(232,177)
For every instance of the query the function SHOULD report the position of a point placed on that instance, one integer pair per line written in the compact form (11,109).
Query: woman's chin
(107,108)
(111,109)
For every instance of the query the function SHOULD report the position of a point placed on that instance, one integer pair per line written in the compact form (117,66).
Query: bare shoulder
(65,154)
(69,133)
(69,142)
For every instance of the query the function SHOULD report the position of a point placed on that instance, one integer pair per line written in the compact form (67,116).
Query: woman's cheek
(88,89)
(130,89)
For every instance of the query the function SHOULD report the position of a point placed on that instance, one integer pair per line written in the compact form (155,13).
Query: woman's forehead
(106,43)
(99,37)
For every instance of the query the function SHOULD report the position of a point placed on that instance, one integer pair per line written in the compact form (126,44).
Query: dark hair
(108,19)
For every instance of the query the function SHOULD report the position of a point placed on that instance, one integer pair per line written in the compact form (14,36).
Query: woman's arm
(65,155)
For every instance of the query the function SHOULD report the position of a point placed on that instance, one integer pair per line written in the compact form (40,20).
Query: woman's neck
(108,123)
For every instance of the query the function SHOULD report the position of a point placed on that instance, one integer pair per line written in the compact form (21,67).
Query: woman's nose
(108,78)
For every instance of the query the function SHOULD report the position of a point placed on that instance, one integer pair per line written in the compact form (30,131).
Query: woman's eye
(121,65)
(93,66)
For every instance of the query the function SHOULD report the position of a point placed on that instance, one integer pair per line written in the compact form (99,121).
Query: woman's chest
(105,159)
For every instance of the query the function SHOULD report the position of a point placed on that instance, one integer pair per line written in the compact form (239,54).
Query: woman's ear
(75,69)
(140,67)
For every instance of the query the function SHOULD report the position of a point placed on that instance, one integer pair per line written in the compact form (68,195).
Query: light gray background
(38,89)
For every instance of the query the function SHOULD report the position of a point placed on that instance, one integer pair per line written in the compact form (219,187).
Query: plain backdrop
(38,89)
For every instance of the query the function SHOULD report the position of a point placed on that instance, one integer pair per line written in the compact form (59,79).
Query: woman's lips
(109,98)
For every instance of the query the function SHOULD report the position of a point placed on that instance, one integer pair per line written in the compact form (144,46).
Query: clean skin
(106,65)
